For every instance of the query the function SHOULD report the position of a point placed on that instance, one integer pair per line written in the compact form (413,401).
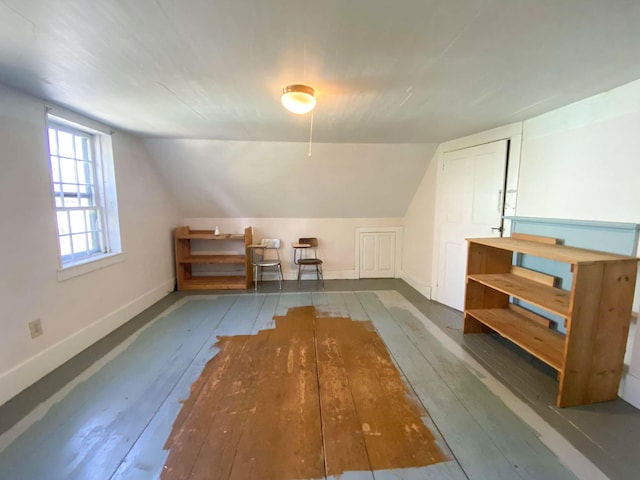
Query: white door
(377,255)
(470,204)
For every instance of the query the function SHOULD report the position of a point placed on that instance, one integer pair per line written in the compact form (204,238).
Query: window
(82,187)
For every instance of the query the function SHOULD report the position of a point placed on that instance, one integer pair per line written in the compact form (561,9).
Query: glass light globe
(298,99)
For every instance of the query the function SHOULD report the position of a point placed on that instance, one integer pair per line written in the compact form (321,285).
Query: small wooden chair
(306,260)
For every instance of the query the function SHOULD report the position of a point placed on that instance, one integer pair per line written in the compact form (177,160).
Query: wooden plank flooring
(312,397)
(517,442)
(205,391)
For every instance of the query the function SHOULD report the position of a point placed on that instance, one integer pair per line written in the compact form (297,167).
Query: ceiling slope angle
(213,178)
(414,71)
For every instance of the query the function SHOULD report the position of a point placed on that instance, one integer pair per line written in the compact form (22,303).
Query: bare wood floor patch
(315,396)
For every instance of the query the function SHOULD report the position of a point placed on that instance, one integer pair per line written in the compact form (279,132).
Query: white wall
(422,217)
(583,161)
(419,233)
(336,237)
(78,311)
(212,178)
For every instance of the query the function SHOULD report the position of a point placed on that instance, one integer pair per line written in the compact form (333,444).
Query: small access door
(377,255)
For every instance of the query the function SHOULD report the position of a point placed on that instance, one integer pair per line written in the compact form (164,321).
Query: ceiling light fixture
(298,99)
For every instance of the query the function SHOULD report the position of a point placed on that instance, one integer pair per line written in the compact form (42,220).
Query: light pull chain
(311,134)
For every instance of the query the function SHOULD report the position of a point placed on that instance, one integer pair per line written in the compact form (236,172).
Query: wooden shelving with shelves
(597,311)
(554,300)
(216,282)
(186,258)
(542,342)
(239,259)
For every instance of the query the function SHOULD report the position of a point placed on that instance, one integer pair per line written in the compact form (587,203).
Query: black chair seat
(305,255)
(310,261)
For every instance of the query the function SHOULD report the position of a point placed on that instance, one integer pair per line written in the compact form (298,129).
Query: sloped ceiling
(211,178)
(385,72)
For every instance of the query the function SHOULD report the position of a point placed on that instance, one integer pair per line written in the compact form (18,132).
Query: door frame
(513,134)
(398,253)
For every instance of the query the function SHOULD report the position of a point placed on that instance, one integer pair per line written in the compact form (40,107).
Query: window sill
(89,265)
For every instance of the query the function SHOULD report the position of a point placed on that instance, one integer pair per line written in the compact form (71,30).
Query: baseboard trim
(311,274)
(339,275)
(33,369)
(424,289)
(630,389)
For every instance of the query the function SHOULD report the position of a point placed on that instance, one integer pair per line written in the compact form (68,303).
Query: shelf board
(220,282)
(239,259)
(554,300)
(208,235)
(561,253)
(539,341)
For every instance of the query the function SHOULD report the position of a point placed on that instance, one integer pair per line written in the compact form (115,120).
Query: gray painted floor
(608,434)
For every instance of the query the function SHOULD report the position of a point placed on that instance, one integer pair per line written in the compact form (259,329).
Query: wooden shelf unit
(597,311)
(185,259)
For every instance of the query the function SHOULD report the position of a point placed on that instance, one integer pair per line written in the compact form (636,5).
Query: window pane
(79,243)
(65,246)
(91,217)
(81,148)
(53,143)
(84,173)
(55,169)
(68,170)
(65,144)
(85,193)
(71,202)
(57,192)
(94,242)
(73,173)
(63,223)
(70,188)
(87,145)
(76,218)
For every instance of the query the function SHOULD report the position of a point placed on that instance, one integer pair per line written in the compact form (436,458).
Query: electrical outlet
(35,327)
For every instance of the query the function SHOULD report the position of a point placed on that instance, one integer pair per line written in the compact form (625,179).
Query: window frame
(85,188)
(103,188)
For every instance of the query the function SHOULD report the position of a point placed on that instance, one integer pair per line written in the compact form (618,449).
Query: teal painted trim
(614,237)
(584,223)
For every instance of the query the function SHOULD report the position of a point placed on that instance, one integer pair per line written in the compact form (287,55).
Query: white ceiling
(385,71)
